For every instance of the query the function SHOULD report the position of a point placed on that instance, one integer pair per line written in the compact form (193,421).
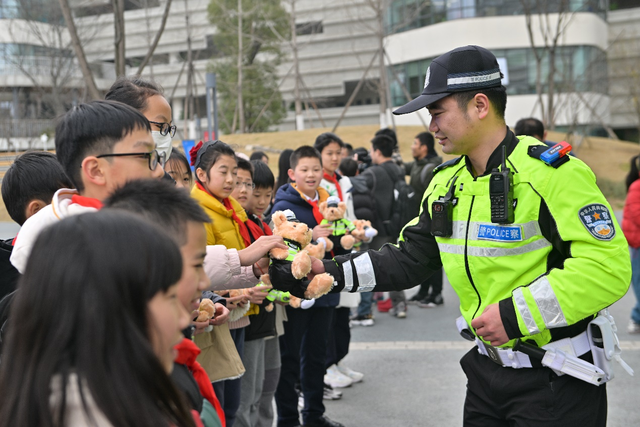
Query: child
(216,170)
(306,331)
(101,145)
(147,97)
(330,147)
(178,168)
(27,186)
(101,334)
(258,176)
(183,219)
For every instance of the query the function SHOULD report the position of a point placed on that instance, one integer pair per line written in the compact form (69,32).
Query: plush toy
(295,261)
(318,249)
(364,232)
(206,310)
(276,295)
(333,211)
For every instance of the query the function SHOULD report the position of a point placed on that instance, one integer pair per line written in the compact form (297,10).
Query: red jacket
(631,215)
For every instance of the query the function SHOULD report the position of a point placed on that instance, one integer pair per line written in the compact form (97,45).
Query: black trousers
(434,282)
(531,397)
(339,336)
(303,351)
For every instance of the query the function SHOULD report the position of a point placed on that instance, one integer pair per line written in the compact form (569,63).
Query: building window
(578,69)
(307,28)
(405,15)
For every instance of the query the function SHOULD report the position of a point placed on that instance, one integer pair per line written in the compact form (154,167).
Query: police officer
(536,265)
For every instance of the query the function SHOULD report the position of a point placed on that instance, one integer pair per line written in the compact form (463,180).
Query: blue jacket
(287,197)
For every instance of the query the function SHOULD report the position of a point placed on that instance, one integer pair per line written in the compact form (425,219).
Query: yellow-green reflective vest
(487,262)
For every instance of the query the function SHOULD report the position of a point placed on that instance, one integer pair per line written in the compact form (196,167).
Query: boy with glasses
(101,145)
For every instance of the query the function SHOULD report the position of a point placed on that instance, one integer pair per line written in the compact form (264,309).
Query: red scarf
(242,227)
(256,231)
(316,211)
(88,202)
(187,353)
(334,179)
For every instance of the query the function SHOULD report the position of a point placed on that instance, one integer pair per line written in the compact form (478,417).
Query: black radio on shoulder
(442,213)
(501,193)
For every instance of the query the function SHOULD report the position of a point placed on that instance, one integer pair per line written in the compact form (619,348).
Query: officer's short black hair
(92,129)
(497,97)
(301,153)
(262,175)
(34,175)
(325,139)
(383,143)
(530,126)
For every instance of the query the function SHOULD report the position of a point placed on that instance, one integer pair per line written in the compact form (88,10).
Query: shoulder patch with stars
(597,220)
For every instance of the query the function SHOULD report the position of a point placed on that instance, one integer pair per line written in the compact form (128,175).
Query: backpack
(405,206)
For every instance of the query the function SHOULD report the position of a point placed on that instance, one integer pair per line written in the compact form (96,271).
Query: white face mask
(163,143)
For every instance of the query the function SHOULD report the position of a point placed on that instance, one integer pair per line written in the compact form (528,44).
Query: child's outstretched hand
(221,316)
(260,249)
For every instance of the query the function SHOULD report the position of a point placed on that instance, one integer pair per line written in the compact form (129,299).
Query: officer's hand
(317,267)
(489,326)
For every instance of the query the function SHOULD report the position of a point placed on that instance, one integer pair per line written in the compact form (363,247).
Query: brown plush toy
(364,232)
(206,310)
(333,211)
(295,260)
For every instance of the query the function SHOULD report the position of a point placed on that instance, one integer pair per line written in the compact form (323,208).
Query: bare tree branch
(156,40)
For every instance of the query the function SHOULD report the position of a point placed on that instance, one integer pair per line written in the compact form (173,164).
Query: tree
(547,22)
(249,34)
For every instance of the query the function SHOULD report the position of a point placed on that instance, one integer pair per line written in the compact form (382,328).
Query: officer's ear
(481,105)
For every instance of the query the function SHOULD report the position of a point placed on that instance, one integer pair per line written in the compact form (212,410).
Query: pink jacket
(631,215)
(223,268)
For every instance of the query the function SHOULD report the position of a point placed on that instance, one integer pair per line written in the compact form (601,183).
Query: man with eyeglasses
(101,146)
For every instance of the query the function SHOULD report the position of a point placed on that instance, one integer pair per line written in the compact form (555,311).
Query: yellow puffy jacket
(223,230)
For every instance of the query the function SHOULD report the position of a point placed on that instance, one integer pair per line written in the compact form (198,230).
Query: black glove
(282,279)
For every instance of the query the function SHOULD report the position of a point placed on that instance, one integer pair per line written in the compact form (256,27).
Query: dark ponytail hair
(81,308)
(133,91)
(634,171)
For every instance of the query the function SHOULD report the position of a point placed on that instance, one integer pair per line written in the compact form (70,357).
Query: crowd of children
(121,238)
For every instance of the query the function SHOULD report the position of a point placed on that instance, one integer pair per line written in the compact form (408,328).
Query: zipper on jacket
(466,258)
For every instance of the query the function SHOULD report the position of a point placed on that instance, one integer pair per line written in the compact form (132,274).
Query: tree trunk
(296,68)
(382,87)
(94,93)
(153,46)
(118,21)
(241,119)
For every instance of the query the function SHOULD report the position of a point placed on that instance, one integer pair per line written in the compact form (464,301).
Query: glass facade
(33,10)
(404,15)
(578,69)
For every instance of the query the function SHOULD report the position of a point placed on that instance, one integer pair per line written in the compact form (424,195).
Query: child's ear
(201,175)
(92,171)
(291,174)
(34,206)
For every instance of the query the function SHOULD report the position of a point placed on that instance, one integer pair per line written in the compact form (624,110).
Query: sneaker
(431,301)
(414,300)
(330,394)
(362,320)
(401,310)
(337,379)
(300,401)
(633,328)
(356,377)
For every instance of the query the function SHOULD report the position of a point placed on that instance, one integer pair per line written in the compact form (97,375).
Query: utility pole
(296,68)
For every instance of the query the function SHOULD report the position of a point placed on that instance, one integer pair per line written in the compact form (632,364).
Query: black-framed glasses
(153,156)
(165,128)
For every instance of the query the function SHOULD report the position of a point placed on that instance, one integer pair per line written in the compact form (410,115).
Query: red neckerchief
(87,202)
(334,179)
(316,211)
(188,351)
(255,230)
(242,227)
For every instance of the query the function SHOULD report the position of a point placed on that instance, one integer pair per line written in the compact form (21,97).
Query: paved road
(413,378)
